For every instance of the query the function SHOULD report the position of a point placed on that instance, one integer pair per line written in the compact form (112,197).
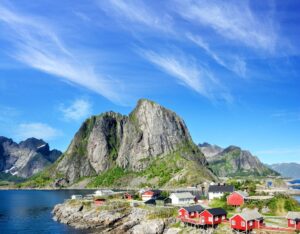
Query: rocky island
(115,217)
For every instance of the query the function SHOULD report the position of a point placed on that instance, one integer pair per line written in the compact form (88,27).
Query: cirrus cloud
(78,110)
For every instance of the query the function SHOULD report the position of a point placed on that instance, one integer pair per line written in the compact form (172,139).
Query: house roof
(242,193)
(217,211)
(248,215)
(161,198)
(196,208)
(155,192)
(221,188)
(183,195)
(150,202)
(293,215)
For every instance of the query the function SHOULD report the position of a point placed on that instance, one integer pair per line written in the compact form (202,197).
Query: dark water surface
(29,211)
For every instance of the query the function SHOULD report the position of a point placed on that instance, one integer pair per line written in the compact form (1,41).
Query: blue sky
(230,69)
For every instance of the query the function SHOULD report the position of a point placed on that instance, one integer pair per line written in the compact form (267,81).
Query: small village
(202,212)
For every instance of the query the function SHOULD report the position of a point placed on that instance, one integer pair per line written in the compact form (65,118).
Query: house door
(202,220)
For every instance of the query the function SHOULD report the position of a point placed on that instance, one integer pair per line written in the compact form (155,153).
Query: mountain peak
(129,142)
(146,105)
(204,144)
(32,143)
(233,161)
(232,148)
(26,158)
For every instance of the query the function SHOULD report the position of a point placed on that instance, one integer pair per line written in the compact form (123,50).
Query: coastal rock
(26,158)
(173,231)
(149,227)
(131,220)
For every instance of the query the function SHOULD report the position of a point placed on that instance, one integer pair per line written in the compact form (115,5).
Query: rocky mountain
(26,158)
(210,150)
(287,169)
(150,146)
(233,161)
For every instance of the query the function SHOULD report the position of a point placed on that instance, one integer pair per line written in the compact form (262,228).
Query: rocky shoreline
(116,217)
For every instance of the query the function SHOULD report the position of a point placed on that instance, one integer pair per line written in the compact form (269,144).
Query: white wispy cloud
(78,110)
(232,20)
(37,44)
(187,72)
(138,13)
(37,130)
(236,64)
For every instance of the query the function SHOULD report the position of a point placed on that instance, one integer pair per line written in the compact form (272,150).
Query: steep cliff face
(128,142)
(233,161)
(26,158)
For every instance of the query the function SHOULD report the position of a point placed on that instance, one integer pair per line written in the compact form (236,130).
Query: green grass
(162,213)
(279,205)
(108,178)
(222,203)
(7,179)
(39,180)
(163,168)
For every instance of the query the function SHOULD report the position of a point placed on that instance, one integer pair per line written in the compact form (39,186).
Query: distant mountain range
(26,158)
(233,161)
(291,170)
(150,147)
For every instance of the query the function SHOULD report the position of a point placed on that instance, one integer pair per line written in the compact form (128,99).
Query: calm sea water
(296,187)
(28,211)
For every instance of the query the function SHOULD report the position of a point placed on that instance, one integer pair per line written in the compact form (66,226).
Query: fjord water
(29,211)
(297,181)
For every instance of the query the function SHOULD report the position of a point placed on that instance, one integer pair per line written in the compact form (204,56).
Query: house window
(292,222)
(210,219)
(233,222)
(217,219)
(251,223)
(243,224)
(223,217)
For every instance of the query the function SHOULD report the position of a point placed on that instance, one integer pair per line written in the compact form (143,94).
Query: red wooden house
(212,217)
(247,221)
(128,196)
(190,211)
(293,220)
(237,198)
(150,194)
(99,201)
